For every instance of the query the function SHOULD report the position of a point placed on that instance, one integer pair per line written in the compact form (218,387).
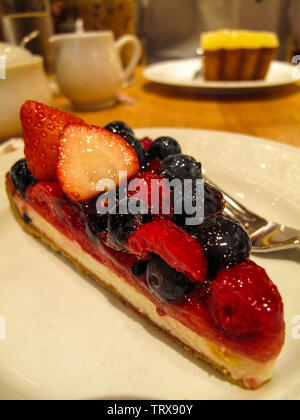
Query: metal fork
(266,236)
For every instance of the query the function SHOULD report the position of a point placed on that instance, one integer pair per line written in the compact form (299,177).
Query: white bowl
(25,79)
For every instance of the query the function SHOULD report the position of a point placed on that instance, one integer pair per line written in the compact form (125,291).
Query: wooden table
(272,114)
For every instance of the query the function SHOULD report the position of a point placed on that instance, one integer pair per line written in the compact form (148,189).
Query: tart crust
(33,231)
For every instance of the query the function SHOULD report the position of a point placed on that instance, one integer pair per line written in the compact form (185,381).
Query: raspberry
(244,302)
(145,181)
(146,143)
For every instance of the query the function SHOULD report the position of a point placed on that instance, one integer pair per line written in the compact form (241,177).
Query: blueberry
(118,127)
(123,130)
(166,283)
(135,144)
(163,147)
(139,269)
(225,243)
(121,226)
(213,203)
(97,223)
(21,177)
(181,167)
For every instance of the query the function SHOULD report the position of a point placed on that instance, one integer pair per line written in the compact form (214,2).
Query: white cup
(22,77)
(89,68)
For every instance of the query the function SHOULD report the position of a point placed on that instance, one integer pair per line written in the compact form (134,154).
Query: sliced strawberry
(89,155)
(173,244)
(42,127)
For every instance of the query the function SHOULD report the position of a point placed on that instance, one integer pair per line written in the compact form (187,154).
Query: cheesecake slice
(196,283)
(238,55)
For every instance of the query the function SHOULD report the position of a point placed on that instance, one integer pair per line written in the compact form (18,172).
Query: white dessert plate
(67,338)
(184,74)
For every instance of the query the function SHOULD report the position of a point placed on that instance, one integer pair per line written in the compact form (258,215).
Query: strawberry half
(173,244)
(42,127)
(89,155)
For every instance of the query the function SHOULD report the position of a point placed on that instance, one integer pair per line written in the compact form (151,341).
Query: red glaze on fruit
(146,142)
(160,204)
(88,157)
(153,166)
(194,311)
(244,302)
(42,127)
(173,244)
(241,309)
(49,195)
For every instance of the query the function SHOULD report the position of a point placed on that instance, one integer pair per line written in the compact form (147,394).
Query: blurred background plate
(186,73)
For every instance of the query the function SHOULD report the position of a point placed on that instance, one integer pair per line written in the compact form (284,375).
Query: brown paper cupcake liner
(238,64)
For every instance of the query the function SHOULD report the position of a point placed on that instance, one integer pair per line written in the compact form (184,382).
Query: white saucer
(67,338)
(183,74)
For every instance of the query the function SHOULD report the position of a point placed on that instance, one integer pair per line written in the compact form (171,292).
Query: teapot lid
(80,34)
(15,56)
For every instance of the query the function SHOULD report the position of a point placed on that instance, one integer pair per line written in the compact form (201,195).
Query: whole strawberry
(42,128)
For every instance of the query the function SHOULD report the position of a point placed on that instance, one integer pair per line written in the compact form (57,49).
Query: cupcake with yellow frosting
(234,55)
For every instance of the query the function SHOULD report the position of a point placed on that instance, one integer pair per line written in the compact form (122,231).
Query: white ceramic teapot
(22,77)
(89,69)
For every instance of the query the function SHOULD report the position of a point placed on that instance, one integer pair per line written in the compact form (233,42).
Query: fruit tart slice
(88,193)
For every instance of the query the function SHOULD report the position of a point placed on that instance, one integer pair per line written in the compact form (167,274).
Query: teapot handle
(136,54)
